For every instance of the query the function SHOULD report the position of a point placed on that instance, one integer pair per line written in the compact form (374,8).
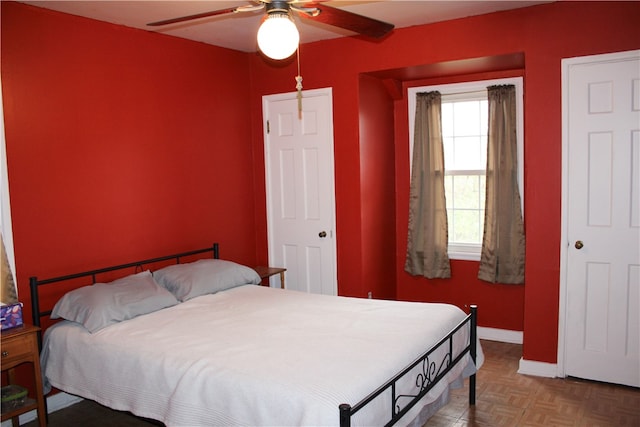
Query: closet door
(602,218)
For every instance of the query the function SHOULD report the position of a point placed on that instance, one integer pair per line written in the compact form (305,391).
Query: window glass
(465,142)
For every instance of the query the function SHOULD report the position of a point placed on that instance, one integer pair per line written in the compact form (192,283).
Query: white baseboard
(502,335)
(527,367)
(54,403)
(538,369)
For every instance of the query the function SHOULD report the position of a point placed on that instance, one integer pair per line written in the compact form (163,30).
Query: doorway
(599,327)
(300,189)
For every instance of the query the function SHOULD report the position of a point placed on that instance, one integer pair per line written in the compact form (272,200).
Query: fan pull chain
(299,96)
(299,86)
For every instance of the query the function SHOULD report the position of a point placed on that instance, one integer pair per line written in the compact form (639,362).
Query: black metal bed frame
(37,314)
(431,371)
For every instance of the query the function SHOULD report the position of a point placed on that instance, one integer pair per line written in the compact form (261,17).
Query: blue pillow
(102,304)
(206,276)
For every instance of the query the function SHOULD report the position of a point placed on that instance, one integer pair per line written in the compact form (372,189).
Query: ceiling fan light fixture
(278,36)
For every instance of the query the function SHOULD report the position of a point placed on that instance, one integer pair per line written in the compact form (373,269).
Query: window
(464,135)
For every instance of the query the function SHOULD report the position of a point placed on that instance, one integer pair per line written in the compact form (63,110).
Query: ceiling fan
(278,36)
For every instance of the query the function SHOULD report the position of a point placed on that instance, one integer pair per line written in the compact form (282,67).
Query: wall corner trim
(538,369)
(501,335)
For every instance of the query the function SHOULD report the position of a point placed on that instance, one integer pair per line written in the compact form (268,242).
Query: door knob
(322,234)
(579,244)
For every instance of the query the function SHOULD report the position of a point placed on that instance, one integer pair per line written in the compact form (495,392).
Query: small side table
(265,272)
(20,345)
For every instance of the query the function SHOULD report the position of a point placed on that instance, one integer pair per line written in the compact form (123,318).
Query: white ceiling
(237,31)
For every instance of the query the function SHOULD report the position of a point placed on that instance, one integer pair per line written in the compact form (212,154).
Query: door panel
(603,256)
(300,189)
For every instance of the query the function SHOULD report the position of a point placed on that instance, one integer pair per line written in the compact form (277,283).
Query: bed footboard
(431,372)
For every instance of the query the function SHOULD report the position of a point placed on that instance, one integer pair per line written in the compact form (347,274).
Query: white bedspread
(251,356)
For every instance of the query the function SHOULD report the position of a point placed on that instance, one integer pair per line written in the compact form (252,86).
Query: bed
(206,346)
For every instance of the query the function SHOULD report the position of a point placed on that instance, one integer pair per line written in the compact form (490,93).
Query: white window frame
(466,251)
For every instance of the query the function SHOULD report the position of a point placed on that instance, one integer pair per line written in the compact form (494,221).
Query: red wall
(124,144)
(543,35)
(377,194)
(121,144)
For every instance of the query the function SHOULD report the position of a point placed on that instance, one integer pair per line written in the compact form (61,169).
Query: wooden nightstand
(265,272)
(20,345)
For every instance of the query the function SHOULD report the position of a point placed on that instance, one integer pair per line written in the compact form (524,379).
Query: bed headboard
(35,283)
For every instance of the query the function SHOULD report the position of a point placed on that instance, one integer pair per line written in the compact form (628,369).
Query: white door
(300,189)
(602,217)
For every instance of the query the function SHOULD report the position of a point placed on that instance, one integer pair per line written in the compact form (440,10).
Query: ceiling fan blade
(190,17)
(348,20)
(247,8)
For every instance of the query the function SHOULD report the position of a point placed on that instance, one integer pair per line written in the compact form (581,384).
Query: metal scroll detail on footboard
(430,371)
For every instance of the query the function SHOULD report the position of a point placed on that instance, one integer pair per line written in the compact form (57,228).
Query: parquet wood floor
(504,398)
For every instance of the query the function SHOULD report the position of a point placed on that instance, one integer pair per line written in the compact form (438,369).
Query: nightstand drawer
(16,348)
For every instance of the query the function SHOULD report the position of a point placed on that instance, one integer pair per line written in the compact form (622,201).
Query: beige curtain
(428,232)
(503,244)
